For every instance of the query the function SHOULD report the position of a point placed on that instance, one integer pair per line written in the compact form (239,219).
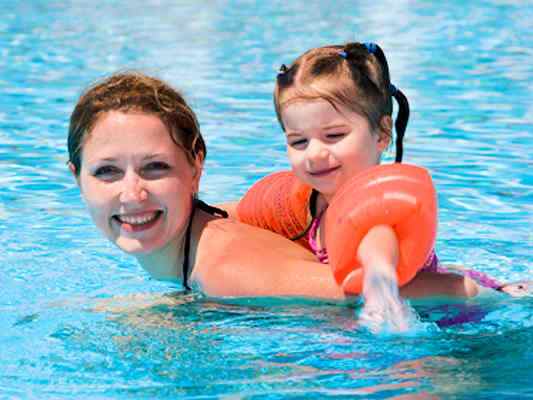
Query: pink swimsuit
(432,263)
(320,253)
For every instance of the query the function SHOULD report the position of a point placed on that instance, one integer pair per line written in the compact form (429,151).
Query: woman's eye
(156,165)
(155,168)
(106,172)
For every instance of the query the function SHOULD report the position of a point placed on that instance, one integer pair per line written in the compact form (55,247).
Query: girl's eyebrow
(295,132)
(335,125)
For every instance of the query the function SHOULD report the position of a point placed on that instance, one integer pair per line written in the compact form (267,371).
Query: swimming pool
(81,320)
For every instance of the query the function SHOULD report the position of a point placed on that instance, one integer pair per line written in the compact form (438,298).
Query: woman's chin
(135,247)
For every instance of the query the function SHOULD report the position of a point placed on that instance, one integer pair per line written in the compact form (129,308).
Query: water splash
(384,311)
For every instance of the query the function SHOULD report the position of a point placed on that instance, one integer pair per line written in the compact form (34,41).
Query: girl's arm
(437,284)
(378,254)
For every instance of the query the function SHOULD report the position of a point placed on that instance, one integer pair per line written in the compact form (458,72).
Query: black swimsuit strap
(202,205)
(187,248)
(312,209)
(312,202)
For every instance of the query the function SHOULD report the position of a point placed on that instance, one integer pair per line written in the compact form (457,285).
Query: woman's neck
(165,263)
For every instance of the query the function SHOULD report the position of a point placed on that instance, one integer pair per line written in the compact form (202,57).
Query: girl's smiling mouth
(323,172)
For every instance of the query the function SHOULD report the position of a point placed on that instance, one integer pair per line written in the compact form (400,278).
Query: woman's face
(137,183)
(326,146)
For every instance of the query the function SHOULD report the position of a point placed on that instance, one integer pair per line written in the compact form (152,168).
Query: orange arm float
(279,203)
(399,195)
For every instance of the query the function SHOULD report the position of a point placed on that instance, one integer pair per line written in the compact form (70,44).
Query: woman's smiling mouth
(137,222)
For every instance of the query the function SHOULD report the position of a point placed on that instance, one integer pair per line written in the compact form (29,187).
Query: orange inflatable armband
(279,203)
(399,195)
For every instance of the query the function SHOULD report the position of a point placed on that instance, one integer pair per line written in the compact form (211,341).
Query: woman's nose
(133,188)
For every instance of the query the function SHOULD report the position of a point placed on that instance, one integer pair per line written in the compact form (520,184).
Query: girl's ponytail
(401,120)
(403,104)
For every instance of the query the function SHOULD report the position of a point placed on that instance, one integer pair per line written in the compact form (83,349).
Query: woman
(137,154)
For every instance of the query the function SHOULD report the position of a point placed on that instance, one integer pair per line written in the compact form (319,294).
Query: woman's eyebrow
(99,160)
(154,155)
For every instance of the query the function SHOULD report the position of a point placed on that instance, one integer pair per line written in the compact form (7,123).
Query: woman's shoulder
(235,259)
(234,238)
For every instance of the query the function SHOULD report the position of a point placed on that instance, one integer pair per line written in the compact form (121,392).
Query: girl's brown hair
(354,75)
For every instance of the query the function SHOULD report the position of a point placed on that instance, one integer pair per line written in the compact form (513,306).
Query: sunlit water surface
(81,320)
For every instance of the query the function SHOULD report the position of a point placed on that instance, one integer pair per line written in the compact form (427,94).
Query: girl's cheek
(291,157)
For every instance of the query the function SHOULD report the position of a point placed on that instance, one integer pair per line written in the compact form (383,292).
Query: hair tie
(343,54)
(371,47)
(392,89)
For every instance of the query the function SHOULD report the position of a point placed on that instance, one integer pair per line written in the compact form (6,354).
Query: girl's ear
(384,132)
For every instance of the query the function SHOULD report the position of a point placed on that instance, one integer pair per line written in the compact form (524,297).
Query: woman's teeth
(137,219)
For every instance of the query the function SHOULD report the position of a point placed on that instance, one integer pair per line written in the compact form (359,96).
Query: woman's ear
(197,169)
(73,171)
(384,132)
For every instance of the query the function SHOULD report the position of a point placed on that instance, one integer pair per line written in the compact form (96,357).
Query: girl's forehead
(323,106)
(302,114)
(327,87)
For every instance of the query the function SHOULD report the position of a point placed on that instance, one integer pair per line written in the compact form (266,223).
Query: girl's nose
(316,151)
(133,189)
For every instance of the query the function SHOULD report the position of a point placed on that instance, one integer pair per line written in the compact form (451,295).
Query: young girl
(334,104)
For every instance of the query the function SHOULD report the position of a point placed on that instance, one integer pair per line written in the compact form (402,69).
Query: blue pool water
(81,320)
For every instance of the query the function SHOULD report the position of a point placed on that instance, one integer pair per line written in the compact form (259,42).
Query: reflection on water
(168,344)
(80,319)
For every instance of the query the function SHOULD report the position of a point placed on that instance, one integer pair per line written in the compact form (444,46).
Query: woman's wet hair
(135,92)
(355,76)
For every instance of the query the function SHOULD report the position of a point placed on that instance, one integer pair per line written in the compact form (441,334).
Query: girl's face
(326,147)
(137,183)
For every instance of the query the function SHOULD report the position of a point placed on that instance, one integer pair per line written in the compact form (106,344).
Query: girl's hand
(518,289)
(383,308)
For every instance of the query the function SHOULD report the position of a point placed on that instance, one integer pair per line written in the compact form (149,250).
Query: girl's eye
(297,143)
(106,172)
(335,136)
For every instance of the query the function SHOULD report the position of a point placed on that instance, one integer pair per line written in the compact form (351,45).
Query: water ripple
(82,320)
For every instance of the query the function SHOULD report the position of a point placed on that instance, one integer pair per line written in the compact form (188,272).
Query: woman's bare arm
(238,260)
